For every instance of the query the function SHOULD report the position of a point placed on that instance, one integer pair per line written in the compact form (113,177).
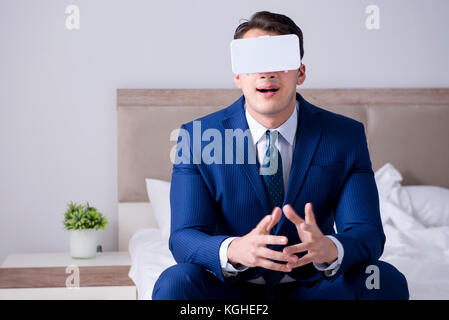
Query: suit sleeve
(193,217)
(357,213)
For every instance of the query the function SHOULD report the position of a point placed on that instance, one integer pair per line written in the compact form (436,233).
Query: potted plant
(83,222)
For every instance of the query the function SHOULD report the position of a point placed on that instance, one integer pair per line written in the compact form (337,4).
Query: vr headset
(265,54)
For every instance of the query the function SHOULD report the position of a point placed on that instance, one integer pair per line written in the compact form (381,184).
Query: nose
(267,75)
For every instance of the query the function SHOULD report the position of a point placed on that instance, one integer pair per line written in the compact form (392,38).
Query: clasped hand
(250,250)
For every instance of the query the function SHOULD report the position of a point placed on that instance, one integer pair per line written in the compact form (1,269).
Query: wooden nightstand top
(50,270)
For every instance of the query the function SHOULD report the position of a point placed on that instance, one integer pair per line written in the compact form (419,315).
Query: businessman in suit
(239,233)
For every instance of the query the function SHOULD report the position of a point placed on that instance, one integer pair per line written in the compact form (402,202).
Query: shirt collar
(287,130)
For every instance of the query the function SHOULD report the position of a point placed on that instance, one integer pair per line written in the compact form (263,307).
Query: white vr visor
(265,54)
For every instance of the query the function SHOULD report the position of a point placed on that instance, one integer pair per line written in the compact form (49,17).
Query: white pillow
(430,204)
(388,181)
(159,196)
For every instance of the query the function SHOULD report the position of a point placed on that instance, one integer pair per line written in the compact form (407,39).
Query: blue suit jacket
(330,168)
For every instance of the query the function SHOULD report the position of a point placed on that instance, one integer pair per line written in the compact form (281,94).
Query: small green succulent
(79,217)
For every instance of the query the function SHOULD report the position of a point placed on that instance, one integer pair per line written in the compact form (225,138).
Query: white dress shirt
(286,145)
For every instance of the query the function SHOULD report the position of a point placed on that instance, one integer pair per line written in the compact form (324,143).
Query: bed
(407,136)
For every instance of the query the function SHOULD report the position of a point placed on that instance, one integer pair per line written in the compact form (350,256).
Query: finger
(267,264)
(275,217)
(309,215)
(291,215)
(263,224)
(272,254)
(308,258)
(309,228)
(300,247)
(270,239)
(313,231)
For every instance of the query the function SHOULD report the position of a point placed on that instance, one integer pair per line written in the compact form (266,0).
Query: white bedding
(420,253)
(150,256)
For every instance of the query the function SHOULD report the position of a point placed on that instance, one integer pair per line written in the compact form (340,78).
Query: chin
(267,107)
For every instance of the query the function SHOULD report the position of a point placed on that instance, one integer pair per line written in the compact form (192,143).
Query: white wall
(57,87)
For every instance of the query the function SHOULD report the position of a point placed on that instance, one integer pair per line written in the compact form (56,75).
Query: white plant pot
(83,243)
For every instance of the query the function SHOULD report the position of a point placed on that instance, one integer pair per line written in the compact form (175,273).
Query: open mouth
(267,92)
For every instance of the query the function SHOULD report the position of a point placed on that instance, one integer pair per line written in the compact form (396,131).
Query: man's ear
(301,75)
(237,81)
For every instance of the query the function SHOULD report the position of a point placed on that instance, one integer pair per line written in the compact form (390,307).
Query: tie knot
(272,134)
(272,137)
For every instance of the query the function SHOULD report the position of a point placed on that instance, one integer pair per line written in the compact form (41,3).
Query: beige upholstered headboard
(406,127)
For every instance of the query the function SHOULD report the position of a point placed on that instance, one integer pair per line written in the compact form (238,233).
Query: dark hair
(273,22)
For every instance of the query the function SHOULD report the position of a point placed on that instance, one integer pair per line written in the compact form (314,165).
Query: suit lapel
(308,135)
(236,119)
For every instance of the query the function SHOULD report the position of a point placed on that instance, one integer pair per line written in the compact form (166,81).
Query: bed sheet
(150,256)
(422,255)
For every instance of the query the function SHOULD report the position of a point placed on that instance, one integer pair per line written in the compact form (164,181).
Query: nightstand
(58,276)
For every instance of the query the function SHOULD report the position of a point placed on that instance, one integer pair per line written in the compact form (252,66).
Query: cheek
(291,77)
(247,86)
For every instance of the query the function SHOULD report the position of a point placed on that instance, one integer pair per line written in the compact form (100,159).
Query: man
(240,234)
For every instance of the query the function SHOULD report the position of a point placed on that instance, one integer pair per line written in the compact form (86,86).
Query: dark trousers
(191,282)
